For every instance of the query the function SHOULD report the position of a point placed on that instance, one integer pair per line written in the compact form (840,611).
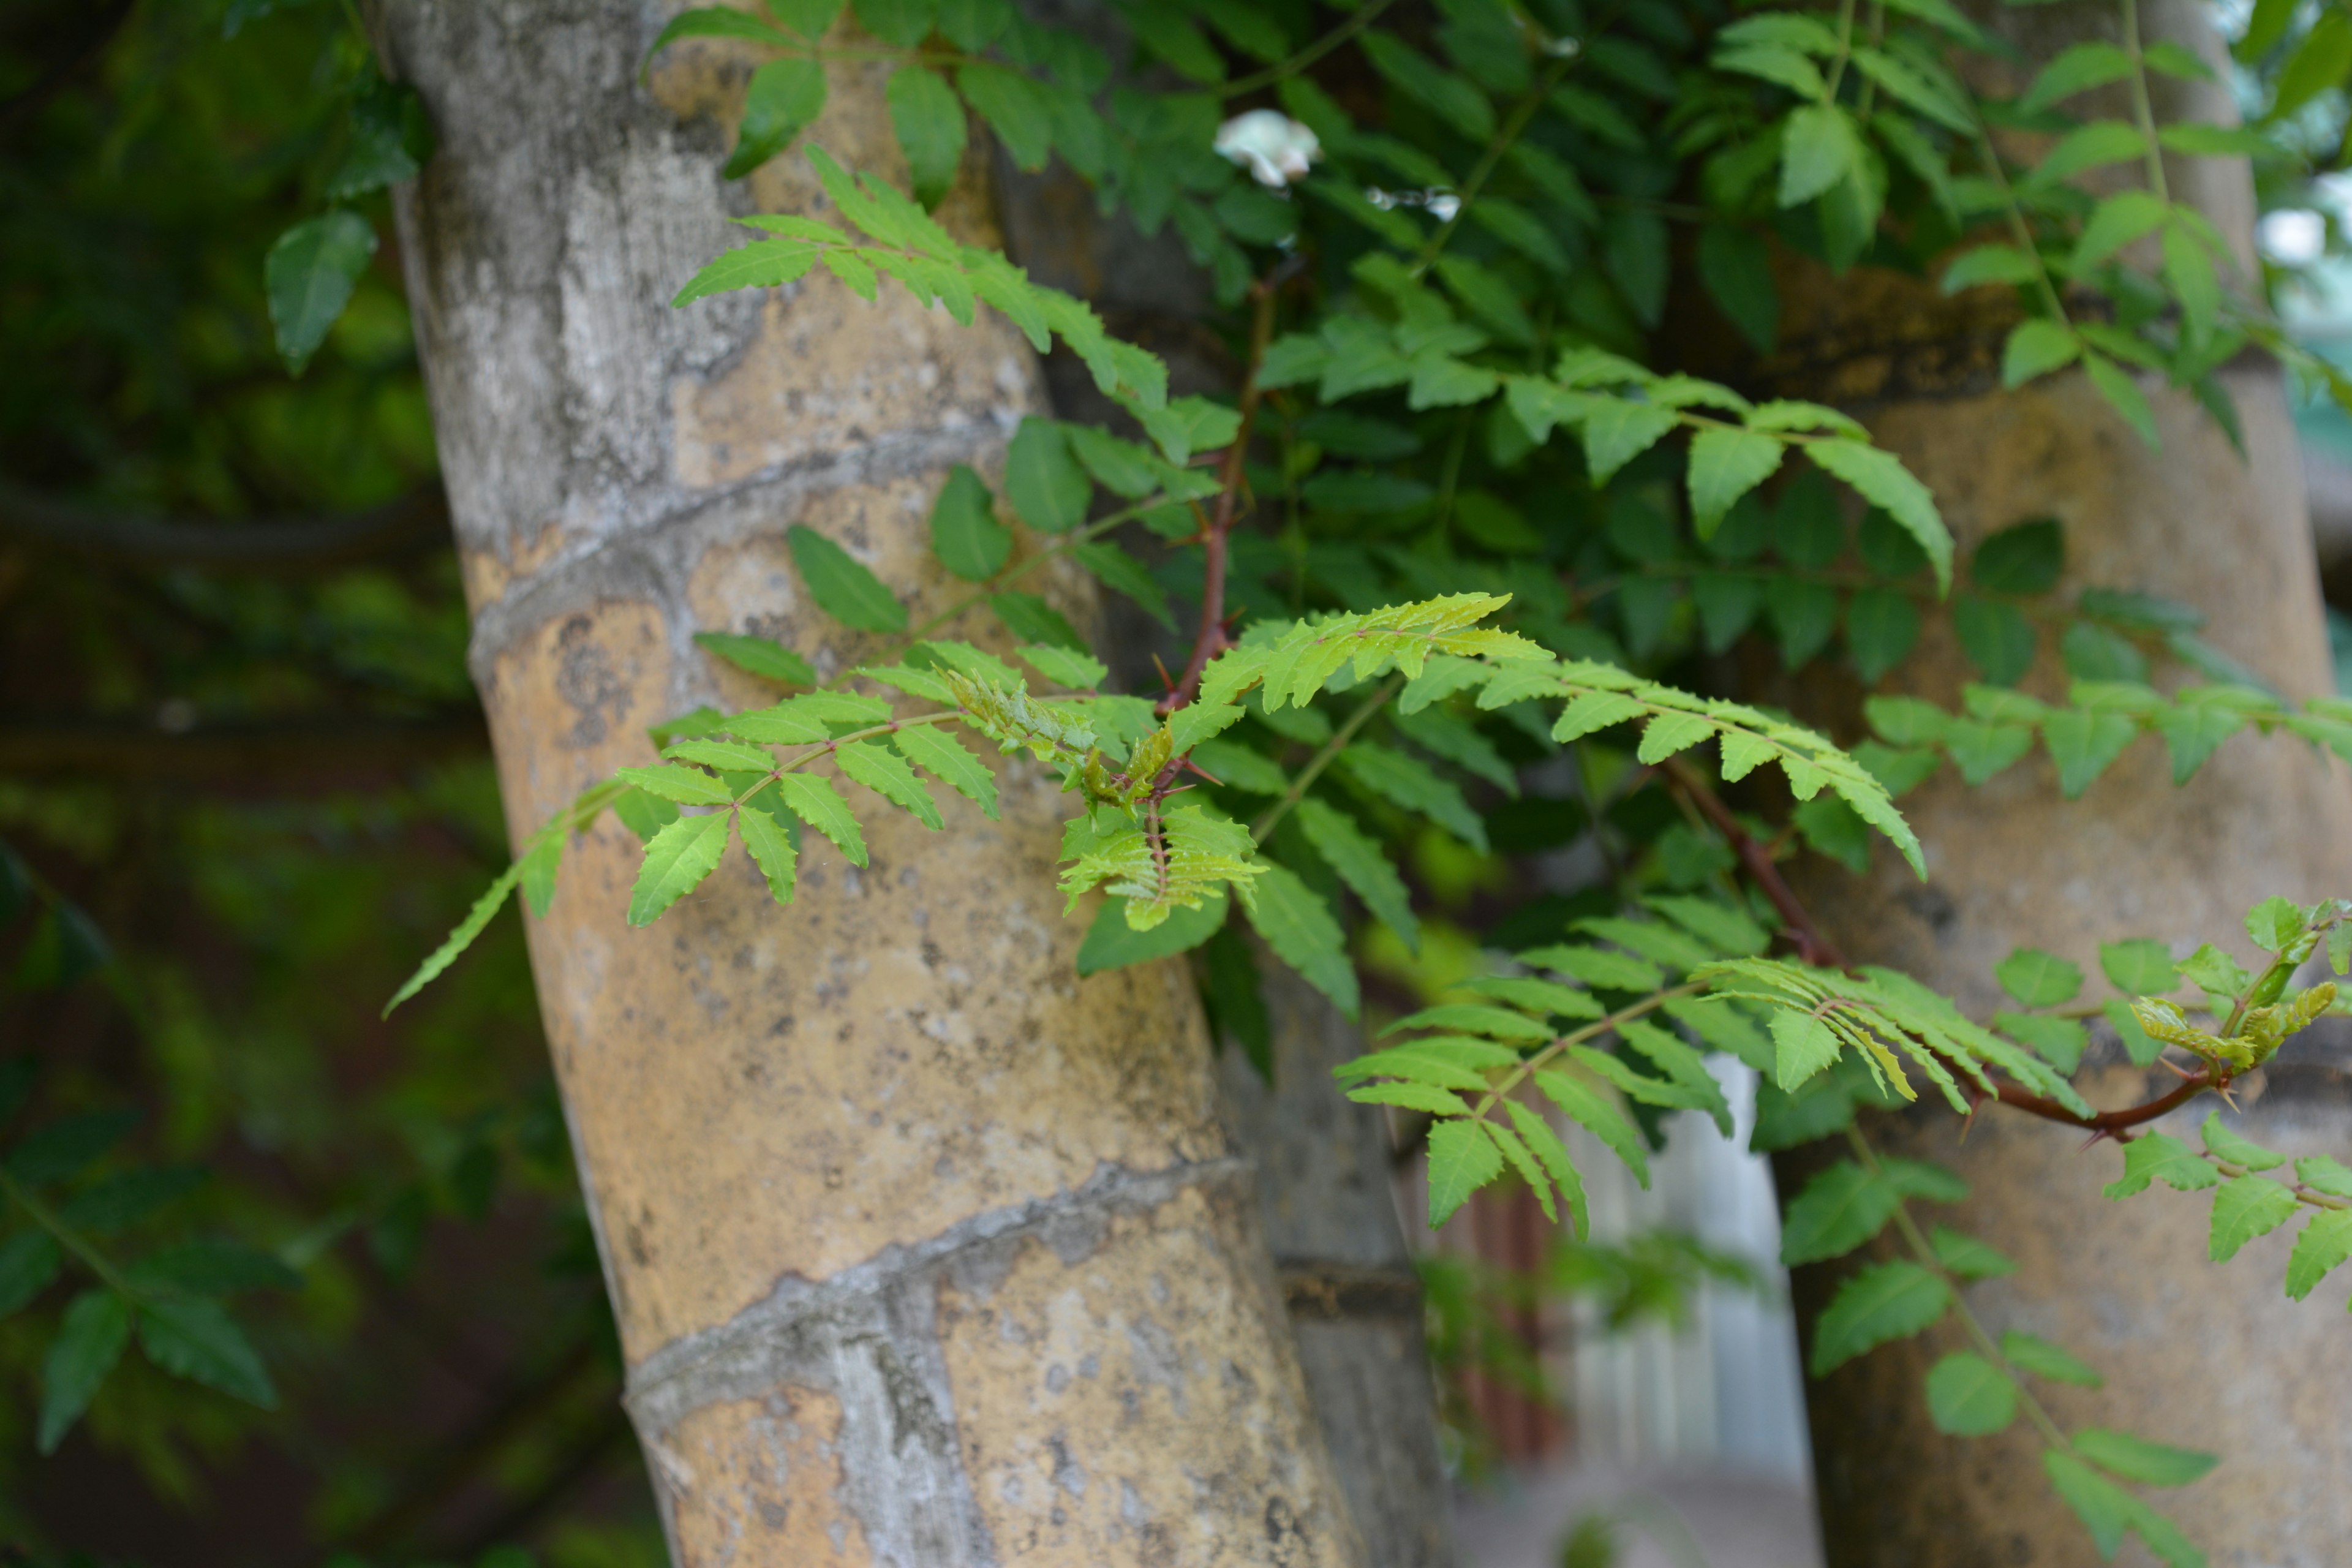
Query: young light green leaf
(816,802)
(2238,1151)
(2246,1207)
(1724,465)
(1804,1045)
(677,861)
(1554,1155)
(1886,1301)
(1880,478)
(1967,1397)
(89,1340)
(2324,1173)
(2082,745)
(2325,1242)
(842,587)
(686,786)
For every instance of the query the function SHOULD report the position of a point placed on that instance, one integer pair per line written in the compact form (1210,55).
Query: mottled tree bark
(923,1252)
(2196,1353)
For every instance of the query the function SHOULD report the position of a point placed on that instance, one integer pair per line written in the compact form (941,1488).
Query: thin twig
(1322,759)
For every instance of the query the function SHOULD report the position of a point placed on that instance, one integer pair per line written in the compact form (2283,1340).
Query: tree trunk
(1327,1191)
(923,1252)
(2196,1353)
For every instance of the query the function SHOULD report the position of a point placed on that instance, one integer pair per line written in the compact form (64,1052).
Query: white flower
(2296,236)
(1275,148)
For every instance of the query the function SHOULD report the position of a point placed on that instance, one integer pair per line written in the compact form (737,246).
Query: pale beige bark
(923,1252)
(2197,1353)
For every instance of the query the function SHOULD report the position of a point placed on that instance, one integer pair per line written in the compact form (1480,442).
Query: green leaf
(1553,1154)
(2029,1352)
(1967,1397)
(2058,1041)
(718,22)
(1915,87)
(677,861)
(1298,926)
(2103,1508)
(763,657)
(929,747)
(972,25)
(2238,1151)
(2246,1207)
(1924,1180)
(902,23)
(1597,966)
(1819,148)
(2138,967)
(1967,1258)
(1174,39)
(2159,1157)
(1033,620)
(1236,1000)
(2137,1459)
(1803,615)
(1461,1159)
(763,264)
(886,775)
(842,587)
(1880,478)
(771,849)
(1882,627)
(965,534)
(1047,488)
(1588,1109)
(1804,1045)
(2077,69)
(2039,979)
(308,278)
(1886,1301)
(200,1342)
(1016,109)
(1474,1018)
(816,802)
(29,1262)
(2275,923)
(1451,98)
(2326,1174)
(784,99)
(1358,859)
(477,920)
(2325,1242)
(120,1201)
(1841,1208)
(2091,146)
(1617,431)
(684,785)
(89,1340)
(929,123)
(210,1268)
(1113,943)
(2035,348)
(1724,465)
(2023,559)
(2123,393)
(1115,569)
(1997,639)
(1734,264)
(2318,63)
(1409,785)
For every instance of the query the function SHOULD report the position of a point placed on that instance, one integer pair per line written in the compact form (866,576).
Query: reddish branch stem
(1815,947)
(1210,640)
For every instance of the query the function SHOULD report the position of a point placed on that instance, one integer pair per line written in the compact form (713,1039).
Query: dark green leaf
(902,23)
(89,1341)
(199,1341)
(64,1149)
(1882,626)
(1112,943)
(2137,1459)
(210,1268)
(784,99)
(30,1261)
(929,123)
(1032,619)
(1967,1258)
(763,657)
(121,1201)
(1046,485)
(965,534)
(310,276)
(1996,637)
(1841,1208)
(1236,1000)
(1735,265)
